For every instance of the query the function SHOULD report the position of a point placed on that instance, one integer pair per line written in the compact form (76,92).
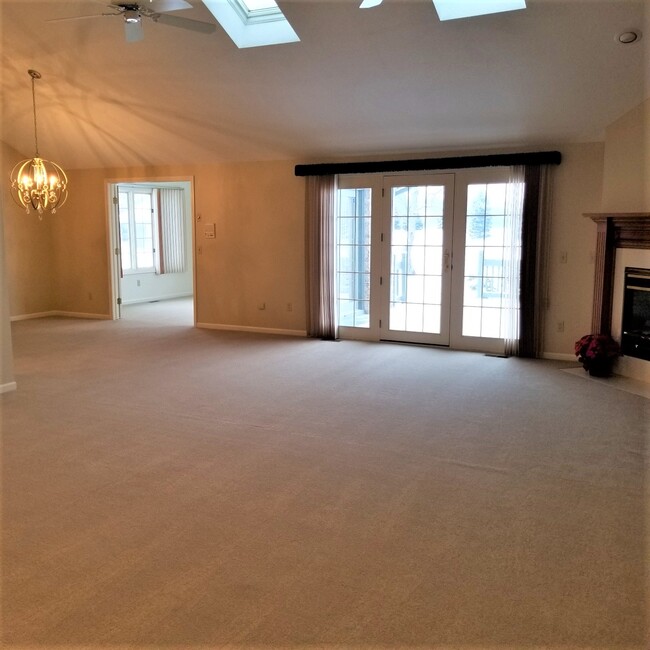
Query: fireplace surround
(615,230)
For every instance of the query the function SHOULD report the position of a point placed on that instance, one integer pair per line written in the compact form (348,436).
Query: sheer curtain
(320,246)
(512,258)
(171,229)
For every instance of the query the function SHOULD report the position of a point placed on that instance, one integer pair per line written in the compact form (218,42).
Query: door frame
(113,239)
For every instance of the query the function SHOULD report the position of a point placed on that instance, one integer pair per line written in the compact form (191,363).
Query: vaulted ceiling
(360,82)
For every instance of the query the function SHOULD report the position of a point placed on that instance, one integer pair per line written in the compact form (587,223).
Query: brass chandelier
(37,183)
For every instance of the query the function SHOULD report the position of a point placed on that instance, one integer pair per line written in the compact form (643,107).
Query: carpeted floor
(167,487)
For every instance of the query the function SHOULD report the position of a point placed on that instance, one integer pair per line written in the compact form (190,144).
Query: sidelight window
(137,230)
(353,257)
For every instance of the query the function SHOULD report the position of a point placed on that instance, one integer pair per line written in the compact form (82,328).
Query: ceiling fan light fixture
(37,183)
(132,16)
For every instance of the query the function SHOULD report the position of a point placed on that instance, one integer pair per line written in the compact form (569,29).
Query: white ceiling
(361,82)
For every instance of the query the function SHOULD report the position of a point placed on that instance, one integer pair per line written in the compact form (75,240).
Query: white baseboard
(559,356)
(76,314)
(56,312)
(173,296)
(40,314)
(247,328)
(8,387)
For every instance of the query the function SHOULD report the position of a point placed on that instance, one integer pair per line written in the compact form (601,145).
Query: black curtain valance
(430,164)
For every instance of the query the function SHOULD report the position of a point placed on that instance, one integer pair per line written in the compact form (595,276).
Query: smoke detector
(628,36)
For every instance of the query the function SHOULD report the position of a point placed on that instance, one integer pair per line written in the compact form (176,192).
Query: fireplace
(615,230)
(635,331)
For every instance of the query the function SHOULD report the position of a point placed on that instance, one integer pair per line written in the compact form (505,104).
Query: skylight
(452,9)
(257,5)
(252,23)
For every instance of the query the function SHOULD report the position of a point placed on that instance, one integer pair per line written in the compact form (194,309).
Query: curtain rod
(427,164)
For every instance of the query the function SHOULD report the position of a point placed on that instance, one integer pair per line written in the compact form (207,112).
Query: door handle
(447,260)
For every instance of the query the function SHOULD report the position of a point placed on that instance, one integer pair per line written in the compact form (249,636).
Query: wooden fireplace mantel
(615,230)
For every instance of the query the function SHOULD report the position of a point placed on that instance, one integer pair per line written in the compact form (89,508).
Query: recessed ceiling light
(629,36)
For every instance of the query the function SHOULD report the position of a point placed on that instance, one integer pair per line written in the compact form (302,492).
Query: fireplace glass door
(635,340)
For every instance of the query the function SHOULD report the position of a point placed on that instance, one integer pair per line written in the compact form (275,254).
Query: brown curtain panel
(534,259)
(320,247)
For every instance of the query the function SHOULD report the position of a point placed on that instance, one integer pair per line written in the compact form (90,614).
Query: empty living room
(325,325)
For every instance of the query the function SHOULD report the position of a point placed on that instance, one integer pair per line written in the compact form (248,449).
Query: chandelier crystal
(37,183)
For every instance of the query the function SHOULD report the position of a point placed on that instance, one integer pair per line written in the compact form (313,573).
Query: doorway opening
(151,244)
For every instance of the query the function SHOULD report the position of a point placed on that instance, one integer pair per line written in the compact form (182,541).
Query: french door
(416,266)
(423,258)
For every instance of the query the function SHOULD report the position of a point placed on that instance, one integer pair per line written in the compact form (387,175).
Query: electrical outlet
(289,306)
(560,326)
(261,306)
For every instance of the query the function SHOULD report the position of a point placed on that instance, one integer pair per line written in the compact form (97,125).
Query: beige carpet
(166,487)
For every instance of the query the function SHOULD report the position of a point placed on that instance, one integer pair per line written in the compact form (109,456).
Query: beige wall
(577,189)
(28,250)
(6,352)
(257,256)
(626,183)
(80,246)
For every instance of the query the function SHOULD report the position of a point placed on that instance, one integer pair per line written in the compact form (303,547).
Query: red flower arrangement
(596,353)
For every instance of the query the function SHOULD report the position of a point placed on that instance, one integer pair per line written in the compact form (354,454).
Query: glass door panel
(417,258)
(353,257)
(489,251)
(143,214)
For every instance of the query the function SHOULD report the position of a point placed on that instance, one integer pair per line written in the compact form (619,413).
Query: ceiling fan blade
(368,4)
(160,6)
(133,31)
(185,23)
(59,20)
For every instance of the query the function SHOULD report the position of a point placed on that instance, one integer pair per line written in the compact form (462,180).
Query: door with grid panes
(426,258)
(416,258)
(358,256)
(486,259)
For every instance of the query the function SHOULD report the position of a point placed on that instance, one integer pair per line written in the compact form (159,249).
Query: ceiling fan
(132,13)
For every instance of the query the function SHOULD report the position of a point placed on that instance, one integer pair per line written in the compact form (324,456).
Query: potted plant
(596,353)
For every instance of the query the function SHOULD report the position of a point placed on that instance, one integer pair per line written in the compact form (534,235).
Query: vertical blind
(171,228)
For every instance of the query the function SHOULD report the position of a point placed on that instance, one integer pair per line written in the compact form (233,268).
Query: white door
(416,258)
(425,258)
(486,252)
